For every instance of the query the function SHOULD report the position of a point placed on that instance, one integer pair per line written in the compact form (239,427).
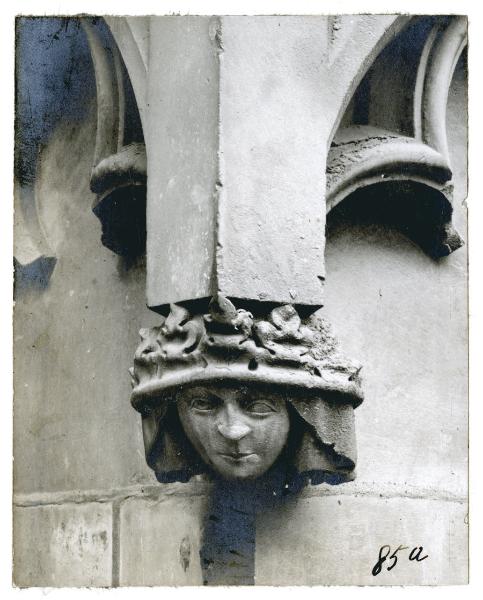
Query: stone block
(335,540)
(160,541)
(251,107)
(65,545)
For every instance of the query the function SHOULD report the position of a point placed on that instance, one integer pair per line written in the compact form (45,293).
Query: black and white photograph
(240,281)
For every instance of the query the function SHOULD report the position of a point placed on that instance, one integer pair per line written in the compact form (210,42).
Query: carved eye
(260,407)
(205,404)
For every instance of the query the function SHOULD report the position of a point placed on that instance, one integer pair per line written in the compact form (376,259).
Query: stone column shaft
(236,142)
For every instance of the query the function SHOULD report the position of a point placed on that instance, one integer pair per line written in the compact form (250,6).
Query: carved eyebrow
(244,402)
(194,392)
(206,401)
(200,393)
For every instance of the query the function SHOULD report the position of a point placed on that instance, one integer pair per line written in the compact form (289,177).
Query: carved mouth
(236,456)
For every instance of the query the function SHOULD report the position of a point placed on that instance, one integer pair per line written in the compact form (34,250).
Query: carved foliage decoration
(228,344)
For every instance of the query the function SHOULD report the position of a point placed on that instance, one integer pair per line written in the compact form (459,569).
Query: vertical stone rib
(107,96)
(216,36)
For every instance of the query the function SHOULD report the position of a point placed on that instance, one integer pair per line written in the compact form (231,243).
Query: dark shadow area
(421,213)
(385,96)
(227,553)
(258,308)
(123,216)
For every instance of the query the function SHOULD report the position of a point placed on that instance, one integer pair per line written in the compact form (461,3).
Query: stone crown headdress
(229,344)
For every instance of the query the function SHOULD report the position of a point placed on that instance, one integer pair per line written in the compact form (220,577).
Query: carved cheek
(215,434)
(273,432)
(204,429)
(196,427)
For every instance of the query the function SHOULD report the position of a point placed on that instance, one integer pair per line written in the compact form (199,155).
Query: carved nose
(233,432)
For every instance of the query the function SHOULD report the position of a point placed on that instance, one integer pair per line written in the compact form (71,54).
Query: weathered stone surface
(245,97)
(336,541)
(160,541)
(182,145)
(74,339)
(402,314)
(381,146)
(71,399)
(251,107)
(273,128)
(408,321)
(297,361)
(65,545)
(416,385)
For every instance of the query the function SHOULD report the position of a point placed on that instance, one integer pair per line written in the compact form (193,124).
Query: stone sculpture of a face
(219,392)
(238,431)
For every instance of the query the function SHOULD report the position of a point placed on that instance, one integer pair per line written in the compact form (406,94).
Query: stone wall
(404,316)
(87,510)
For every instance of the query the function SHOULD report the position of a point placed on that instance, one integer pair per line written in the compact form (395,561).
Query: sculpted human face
(238,432)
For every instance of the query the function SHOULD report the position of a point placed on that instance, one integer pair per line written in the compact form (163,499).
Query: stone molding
(400,136)
(119,171)
(442,51)
(34,259)
(363,156)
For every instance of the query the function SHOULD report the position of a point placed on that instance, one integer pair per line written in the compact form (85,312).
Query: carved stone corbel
(296,359)
(120,184)
(224,231)
(119,173)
